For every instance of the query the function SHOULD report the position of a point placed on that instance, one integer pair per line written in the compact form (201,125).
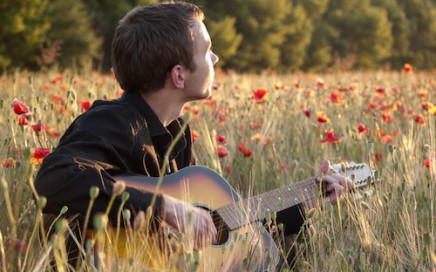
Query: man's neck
(166,109)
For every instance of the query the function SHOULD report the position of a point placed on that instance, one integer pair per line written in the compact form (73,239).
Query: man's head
(150,40)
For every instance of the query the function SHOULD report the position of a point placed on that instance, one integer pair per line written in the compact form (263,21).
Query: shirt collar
(154,125)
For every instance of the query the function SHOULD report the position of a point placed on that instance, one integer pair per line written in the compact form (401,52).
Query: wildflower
(335,98)
(381,91)
(408,68)
(378,158)
(426,105)
(20,107)
(22,121)
(310,92)
(432,110)
(37,127)
(195,110)
(279,86)
(419,120)
(256,137)
(362,129)
(228,169)
(282,166)
(387,117)
(194,135)
(422,93)
(267,140)
(222,151)
(259,95)
(85,105)
(330,137)
(427,163)
(39,155)
(8,163)
(53,133)
(254,125)
(307,113)
(246,152)
(386,139)
(320,82)
(221,139)
(322,117)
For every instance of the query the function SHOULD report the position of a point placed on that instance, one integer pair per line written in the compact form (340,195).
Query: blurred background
(248,35)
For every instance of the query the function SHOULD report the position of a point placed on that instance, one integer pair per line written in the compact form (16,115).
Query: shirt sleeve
(91,149)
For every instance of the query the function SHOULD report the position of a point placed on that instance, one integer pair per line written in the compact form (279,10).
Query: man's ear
(178,76)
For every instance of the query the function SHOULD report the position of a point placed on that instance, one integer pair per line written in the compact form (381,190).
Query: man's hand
(334,186)
(203,229)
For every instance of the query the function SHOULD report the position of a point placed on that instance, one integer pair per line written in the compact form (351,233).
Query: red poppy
(86,105)
(322,117)
(228,170)
(22,121)
(427,163)
(362,129)
(307,113)
(37,127)
(222,151)
(335,97)
(221,139)
(246,152)
(255,125)
(195,110)
(419,120)
(39,155)
(408,68)
(330,137)
(422,93)
(53,133)
(426,105)
(387,117)
(8,163)
(195,135)
(386,139)
(259,95)
(20,107)
(378,158)
(320,82)
(380,91)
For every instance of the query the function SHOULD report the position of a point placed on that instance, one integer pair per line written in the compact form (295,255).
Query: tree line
(248,35)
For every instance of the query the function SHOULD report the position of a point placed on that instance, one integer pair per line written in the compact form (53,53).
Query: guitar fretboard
(258,207)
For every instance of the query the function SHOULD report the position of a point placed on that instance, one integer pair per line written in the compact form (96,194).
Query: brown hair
(150,40)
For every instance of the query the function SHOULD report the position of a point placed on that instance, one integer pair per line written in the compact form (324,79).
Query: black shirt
(122,135)
(118,136)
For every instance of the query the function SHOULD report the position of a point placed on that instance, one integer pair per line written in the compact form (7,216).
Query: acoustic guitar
(243,242)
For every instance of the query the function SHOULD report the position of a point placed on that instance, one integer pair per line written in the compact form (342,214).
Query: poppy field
(259,132)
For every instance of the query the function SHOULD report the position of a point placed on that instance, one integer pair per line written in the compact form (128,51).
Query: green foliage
(297,38)
(225,38)
(251,35)
(70,41)
(22,32)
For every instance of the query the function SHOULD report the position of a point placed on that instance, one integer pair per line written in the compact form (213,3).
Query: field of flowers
(260,132)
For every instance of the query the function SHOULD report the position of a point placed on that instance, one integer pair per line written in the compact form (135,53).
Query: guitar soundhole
(223,231)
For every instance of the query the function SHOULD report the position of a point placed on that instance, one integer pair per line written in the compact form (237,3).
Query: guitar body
(246,248)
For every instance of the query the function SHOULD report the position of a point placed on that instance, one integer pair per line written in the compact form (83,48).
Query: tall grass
(391,230)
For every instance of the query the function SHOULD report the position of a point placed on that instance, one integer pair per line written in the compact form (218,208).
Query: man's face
(199,82)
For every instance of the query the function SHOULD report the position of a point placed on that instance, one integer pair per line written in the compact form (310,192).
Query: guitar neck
(257,207)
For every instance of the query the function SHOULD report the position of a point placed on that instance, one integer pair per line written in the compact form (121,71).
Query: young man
(162,58)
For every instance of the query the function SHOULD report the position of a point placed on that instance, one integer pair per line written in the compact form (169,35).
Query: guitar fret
(257,207)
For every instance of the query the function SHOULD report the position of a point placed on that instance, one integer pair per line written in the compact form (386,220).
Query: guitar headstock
(360,174)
